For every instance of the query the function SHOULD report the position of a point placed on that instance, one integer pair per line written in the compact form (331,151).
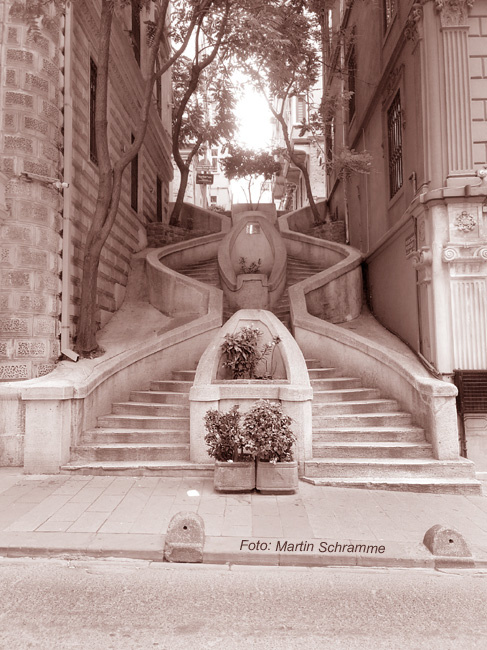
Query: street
(123,604)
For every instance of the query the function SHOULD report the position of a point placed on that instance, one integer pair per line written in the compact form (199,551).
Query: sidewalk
(100,516)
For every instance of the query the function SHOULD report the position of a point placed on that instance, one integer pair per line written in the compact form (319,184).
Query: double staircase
(360,439)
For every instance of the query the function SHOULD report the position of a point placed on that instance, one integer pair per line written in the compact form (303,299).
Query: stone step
(183,375)
(369,434)
(159,397)
(362,420)
(349,395)
(385,468)
(424,485)
(322,373)
(119,421)
(313,364)
(360,406)
(371,450)
(335,383)
(167,468)
(133,436)
(150,408)
(165,385)
(133,452)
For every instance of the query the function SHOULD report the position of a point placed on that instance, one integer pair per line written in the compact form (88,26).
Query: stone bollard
(185,538)
(448,545)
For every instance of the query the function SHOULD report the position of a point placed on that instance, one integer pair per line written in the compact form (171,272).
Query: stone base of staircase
(432,486)
(143,468)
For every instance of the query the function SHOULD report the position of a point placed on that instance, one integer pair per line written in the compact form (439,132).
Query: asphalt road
(51,604)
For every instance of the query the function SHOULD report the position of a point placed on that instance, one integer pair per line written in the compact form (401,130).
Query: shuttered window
(394,137)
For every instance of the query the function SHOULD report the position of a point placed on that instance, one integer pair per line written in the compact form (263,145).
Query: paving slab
(103,516)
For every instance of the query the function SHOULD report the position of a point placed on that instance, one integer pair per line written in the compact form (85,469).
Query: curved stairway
(360,439)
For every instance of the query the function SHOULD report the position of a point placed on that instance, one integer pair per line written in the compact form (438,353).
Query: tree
(203,103)
(204,89)
(186,16)
(284,63)
(249,165)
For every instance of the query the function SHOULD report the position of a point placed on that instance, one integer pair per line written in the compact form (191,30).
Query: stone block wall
(129,231)
(30,223)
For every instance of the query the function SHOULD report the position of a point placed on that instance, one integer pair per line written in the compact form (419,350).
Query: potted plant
(232,450)
(270,430)
(243,353)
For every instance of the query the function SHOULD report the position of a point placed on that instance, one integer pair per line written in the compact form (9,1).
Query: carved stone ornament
(465,222)
(459,253)
(421,258)
(411,28)
(453,12)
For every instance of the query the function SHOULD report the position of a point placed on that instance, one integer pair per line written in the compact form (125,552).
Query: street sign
(204,178)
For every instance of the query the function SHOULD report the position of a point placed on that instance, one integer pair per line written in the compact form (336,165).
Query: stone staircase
(363,441)
(297,270)
(148,435)
(360,440)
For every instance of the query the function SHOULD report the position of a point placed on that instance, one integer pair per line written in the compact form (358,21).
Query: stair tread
(121,430)
(132,445)
(378,443)
(393,480)
(358,402)
(143,463)
(131,416)
(388,461)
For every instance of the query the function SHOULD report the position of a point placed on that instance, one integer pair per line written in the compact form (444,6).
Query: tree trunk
(178,206)
(299,165)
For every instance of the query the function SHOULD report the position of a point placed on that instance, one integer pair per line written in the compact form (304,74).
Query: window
(214,160)
(158,199)
(330,140)
(300,110)
(394,139)
(351,70)
(93,75)
(159,95)
(134,183)
(389,12)
(135,33)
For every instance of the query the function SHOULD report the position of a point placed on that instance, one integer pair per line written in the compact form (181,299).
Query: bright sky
(255,130)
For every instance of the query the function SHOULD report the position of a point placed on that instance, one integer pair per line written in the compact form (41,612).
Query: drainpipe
(67,194)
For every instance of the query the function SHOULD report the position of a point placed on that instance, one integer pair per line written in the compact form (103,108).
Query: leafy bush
(269,429)
(253,267)
(226,440)
(243,354)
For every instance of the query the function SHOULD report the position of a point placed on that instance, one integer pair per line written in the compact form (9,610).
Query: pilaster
(453,17)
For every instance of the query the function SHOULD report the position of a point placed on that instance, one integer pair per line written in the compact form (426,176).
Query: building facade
(49,176)
(289,188)
(414,79)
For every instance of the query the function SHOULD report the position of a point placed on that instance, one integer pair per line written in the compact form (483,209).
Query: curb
(271,552)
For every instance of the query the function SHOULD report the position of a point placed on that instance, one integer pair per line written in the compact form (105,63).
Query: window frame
(395,142)
(93,153)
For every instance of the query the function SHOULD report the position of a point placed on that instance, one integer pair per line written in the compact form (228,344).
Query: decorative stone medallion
(465,222)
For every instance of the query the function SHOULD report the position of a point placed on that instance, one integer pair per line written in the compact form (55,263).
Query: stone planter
(234,477)
(278,478)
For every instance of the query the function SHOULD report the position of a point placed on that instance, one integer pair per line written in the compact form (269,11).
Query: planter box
(234,477)
(278,478)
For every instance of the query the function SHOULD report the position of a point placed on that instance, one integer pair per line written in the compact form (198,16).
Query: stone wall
(31,143)
(32,102)
(129,231)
